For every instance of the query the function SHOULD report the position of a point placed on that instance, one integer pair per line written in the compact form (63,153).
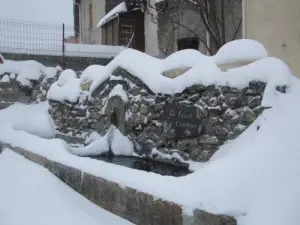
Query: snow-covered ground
(253,178)
(30,194)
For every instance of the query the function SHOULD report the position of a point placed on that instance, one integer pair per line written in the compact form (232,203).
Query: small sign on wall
(181,121)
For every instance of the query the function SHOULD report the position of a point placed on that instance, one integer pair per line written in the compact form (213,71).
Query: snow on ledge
(113,13)
(205,71)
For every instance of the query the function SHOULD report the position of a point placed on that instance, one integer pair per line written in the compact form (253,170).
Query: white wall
(93,35)
(151,44)
(275,24)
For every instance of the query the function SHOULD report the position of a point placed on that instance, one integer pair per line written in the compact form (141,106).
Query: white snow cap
(28,74)
(113,13)
(65,76)
(5,79)
(240,50)
(183,58)
(90,73)
(204,68)
(67,87)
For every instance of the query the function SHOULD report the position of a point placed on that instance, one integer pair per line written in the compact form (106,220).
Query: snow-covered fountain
(128,108)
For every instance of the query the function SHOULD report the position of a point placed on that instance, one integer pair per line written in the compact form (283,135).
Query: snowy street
(31,195)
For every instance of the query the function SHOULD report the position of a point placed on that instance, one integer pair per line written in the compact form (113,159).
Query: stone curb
(138,207)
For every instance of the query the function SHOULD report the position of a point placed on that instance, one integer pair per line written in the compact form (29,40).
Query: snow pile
(240,50)
(96,148)
(65,76)
(184,58)
(27,75)
(35,119)
(91,73)
(148,69)
(67,87)
(114,140)
(5,79)
(120,144)
(12,76)
(10,66)
(113,13)
(24,183)
(29,70)
(118,91)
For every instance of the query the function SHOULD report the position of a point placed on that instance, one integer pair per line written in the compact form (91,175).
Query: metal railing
(21,37)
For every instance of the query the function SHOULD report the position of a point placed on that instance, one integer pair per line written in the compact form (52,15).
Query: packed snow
(30,194)
(5,79)
(67,87)
(91,73)
(113,13)
(240,50)
(206,72)
(27,70)
(118,91)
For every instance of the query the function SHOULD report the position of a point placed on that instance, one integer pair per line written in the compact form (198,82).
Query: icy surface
(31,195)
(114,12)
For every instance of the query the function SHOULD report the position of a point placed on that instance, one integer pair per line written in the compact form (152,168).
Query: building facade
(155,27)
(271,22)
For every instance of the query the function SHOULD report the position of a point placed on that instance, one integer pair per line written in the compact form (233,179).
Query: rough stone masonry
(170,128)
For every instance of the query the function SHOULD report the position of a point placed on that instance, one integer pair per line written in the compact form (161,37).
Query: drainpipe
(79,18)
(244,18)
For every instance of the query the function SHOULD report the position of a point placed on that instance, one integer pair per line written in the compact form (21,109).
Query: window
(126,32)
(90,16)
(188,43)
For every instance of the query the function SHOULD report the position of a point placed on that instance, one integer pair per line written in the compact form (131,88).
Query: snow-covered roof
(113,13)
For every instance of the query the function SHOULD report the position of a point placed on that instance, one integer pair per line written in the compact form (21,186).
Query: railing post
(63,47)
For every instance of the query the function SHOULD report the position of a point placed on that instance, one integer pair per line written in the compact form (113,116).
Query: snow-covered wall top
(204,69)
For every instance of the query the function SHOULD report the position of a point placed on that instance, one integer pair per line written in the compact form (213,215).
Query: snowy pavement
(31,195)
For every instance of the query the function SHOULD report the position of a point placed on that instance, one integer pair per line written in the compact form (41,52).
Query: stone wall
(138,207)
(188,125)
(12,91)
(74,63)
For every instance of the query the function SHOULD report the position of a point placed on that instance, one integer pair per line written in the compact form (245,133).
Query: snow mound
(65,76)
(206,72)
(118,91)
(183,58)
(240,50)
(16,67)
(24,183)
(91,73)
(5,79)
(28,74)
(67,88)
(120,144)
